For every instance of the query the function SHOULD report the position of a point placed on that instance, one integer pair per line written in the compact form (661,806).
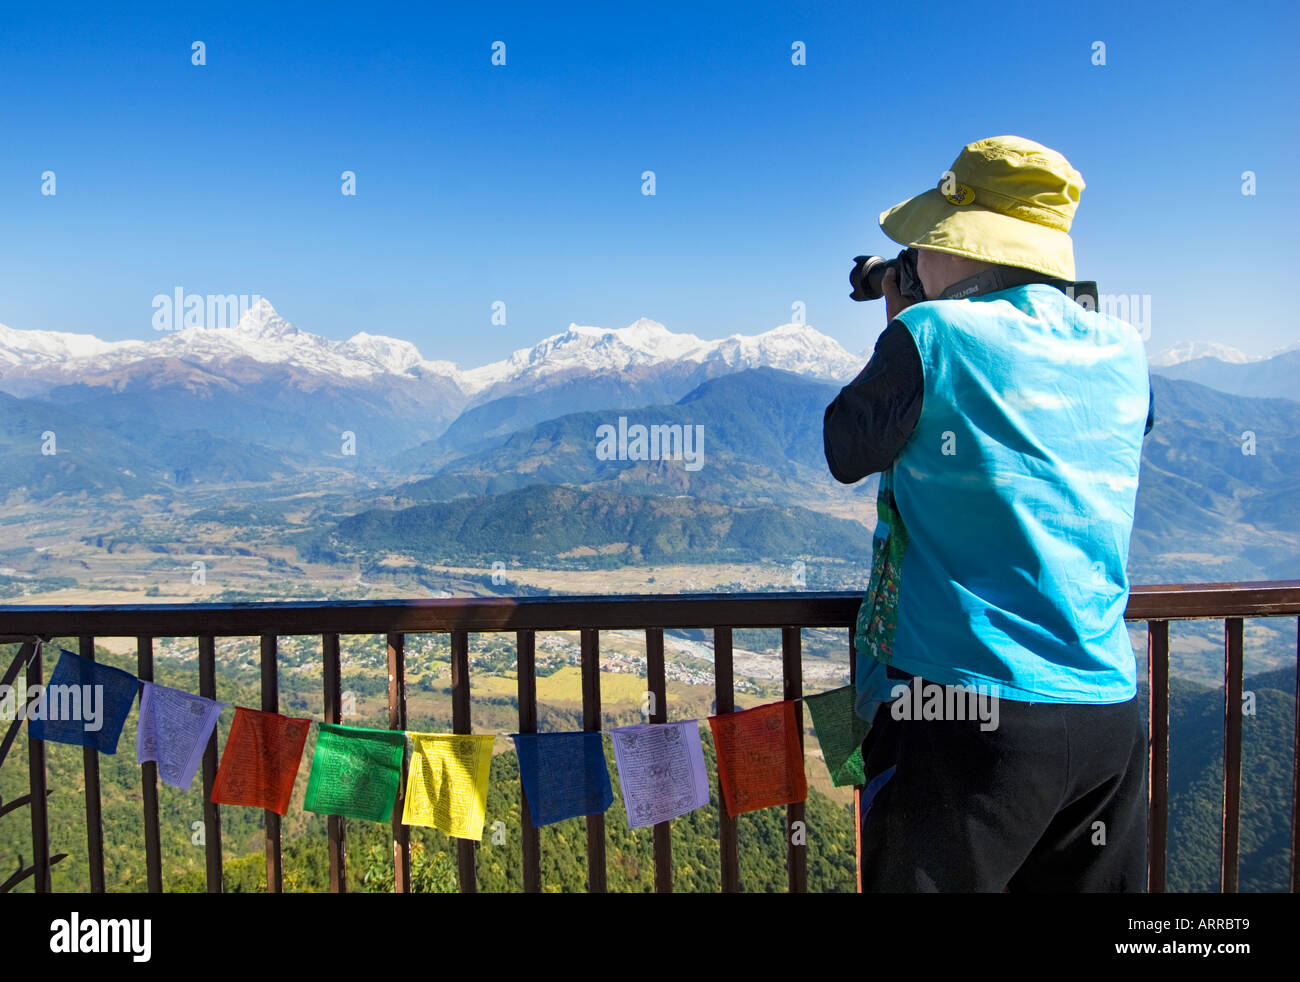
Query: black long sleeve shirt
(866,427)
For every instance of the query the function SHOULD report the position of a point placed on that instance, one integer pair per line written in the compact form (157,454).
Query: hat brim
(930,221)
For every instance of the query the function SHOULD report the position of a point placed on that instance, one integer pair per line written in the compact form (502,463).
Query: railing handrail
(1180,601)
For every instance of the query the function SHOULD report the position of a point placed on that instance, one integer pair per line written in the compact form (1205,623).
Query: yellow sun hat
(1005,200)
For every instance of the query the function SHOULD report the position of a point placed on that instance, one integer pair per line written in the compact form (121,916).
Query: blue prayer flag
(563,774)
(84,704)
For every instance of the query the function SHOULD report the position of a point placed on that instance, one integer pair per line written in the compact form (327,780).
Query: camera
(868,276)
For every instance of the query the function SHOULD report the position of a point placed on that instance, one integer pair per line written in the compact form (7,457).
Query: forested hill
(549,525)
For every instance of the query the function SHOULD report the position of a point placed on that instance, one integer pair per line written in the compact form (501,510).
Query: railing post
(857,788)
(271,704)
(526,681)
(591,721)
(655,682)
(211,810)
(335,829)
(149,780)
(1295,774)
(724,696)
(1232,685)
(36,782)
(94,811)
(1158,747)
(792,668)
(460,723)
(397,721)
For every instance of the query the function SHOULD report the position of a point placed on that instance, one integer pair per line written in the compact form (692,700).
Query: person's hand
(894,301)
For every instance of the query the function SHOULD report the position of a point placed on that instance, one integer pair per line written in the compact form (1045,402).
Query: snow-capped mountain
(591,350)
(1293,346)
(1191,350)
(390,354)
(793,347)
(57,347)
(261,335)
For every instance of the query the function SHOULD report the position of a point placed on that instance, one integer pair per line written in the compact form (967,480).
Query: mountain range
(265,377)
(1186,351)
(1278,376)
(264,405)
(267,382)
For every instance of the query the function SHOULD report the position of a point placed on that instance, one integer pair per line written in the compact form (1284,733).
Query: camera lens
(867,277)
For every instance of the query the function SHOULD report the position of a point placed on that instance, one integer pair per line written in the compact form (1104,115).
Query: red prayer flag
(260,762)
(760,762)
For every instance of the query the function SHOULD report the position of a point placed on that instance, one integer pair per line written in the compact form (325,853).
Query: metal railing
(721,613)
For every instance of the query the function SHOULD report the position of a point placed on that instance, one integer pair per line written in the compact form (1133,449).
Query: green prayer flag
(840,731)
(354,772)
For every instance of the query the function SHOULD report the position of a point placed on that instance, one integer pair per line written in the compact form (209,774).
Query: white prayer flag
(173,730)
(661,770)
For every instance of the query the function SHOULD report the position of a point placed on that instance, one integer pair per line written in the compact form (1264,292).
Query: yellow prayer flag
(446,787)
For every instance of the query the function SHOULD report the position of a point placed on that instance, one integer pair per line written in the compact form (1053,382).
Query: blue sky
(522,183)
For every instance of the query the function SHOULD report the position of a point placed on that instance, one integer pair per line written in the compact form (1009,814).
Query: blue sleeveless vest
(1000,552)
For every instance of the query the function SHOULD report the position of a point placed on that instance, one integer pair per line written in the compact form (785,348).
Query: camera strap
(1084,292)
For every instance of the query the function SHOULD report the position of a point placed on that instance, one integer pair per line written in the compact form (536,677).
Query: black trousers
(1051,800)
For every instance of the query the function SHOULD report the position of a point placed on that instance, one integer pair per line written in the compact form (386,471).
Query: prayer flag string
(356,771)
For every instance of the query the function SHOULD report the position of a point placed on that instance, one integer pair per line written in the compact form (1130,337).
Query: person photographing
(1005,415)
